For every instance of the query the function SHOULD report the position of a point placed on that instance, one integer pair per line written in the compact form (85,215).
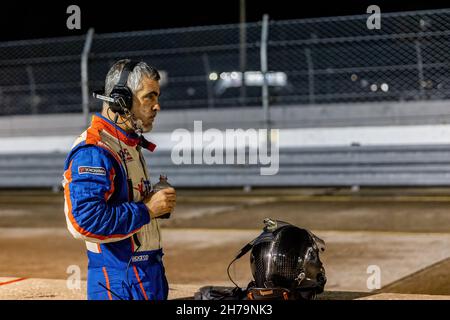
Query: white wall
(317,137)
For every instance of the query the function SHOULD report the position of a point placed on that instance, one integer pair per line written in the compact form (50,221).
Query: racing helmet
(285,263)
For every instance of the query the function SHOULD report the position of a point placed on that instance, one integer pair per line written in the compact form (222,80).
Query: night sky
(42,19)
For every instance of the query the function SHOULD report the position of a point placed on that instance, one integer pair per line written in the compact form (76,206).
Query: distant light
(213,76)
(364,83)
(354,77)
(252,79)
(373,87)
(190,91)
(384,87)
(423,23)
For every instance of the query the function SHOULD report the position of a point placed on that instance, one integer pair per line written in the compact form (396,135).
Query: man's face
(146,103)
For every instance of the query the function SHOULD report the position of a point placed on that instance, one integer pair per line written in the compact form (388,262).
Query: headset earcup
(123,98)
(115,108)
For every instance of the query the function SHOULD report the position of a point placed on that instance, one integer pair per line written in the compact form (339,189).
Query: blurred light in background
(213,76)
(374,87)
(252,79)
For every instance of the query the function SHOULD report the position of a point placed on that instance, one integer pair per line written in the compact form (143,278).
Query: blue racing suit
(105,183)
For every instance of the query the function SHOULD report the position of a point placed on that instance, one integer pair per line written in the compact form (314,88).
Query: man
(108,198)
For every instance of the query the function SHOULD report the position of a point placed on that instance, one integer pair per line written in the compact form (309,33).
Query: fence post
(84,75)
(265,85)
(242,50)
(32,83)
(419,67)
(209,88)
(310,65)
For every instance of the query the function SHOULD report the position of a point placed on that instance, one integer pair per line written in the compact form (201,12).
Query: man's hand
(161,202)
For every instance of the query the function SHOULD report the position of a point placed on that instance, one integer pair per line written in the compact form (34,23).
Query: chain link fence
(40,76)
(312,61)
(342,60)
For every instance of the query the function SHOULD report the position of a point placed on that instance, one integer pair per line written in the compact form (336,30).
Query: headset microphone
(99,95)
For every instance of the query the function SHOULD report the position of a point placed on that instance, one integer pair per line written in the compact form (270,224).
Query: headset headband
(127,69)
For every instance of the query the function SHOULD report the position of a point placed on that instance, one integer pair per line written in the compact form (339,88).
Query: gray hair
(135,77)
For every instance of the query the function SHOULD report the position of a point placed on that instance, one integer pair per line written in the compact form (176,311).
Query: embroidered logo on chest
(143,187)
(125,155)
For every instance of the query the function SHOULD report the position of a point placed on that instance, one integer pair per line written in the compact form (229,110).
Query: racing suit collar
(102,123)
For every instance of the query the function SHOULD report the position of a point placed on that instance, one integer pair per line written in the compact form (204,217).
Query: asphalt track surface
(404,232)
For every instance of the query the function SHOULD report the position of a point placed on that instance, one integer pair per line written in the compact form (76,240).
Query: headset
(120,100)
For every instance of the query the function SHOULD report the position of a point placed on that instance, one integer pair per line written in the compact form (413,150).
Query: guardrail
(330,166)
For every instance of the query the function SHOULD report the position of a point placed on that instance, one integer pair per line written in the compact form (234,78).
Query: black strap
(127,69)
(130,188)
(102,285)
(136,240)
(244,250)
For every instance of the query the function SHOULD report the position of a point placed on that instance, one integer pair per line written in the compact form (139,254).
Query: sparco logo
(140,258)
(92,170)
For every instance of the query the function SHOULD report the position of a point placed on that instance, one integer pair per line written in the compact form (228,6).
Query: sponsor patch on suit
(98,171)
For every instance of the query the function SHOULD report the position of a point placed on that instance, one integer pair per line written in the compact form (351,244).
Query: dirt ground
(406,232)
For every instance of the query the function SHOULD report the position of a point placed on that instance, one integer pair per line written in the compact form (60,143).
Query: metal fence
(313,61)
